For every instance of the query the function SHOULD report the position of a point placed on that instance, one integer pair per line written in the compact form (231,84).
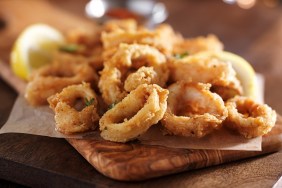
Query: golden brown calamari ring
(198,44)
(89,47)
(207,69)
(70,120)
(249,118)
(52,78)
(94,58)
(193,110)
(128,25)
(125,61)
(144,75)
(135,114)
(163,38)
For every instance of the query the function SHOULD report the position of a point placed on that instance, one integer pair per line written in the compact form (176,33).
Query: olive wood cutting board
(134,161)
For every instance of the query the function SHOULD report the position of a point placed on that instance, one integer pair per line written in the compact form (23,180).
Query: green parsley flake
(70,48)
(112,105)
(180,56)
(88,102)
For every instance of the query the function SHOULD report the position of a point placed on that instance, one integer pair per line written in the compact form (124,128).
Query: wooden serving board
(134,161)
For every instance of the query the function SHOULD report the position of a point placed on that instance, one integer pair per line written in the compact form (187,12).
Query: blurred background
(250,28)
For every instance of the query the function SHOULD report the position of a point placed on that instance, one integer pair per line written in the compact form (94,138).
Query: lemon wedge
(244,71)
(34,48)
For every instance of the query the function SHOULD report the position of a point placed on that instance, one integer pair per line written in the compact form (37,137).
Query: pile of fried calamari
(125,78)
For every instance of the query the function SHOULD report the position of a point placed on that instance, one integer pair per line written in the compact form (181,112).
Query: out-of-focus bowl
(148,12)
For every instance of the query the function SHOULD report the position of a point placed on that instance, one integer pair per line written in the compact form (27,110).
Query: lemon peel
(34,48)
(244,71)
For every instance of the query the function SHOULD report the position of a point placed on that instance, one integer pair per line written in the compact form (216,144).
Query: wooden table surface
(255,34)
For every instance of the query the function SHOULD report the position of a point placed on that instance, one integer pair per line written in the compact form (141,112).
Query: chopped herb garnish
(70,48)
(112,105)
(180,56)
(88,102)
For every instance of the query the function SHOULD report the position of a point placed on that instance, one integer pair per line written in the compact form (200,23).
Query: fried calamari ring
(70,120)
(162,38)
(135,114)
(198,44)
(193,110)
(207,69)
(86,37)
(122,25)
(83,46)
(144,75)
(111,86)
(126,60)
(94,58)
(52,78)
(249,118)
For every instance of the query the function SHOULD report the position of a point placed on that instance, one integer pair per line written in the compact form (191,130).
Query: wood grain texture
(134,161)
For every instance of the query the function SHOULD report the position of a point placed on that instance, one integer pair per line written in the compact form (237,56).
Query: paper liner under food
(40,121)
(33,120)
(222,139)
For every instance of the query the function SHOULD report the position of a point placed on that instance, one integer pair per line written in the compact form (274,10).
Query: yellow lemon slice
(34,48)
(245,72)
